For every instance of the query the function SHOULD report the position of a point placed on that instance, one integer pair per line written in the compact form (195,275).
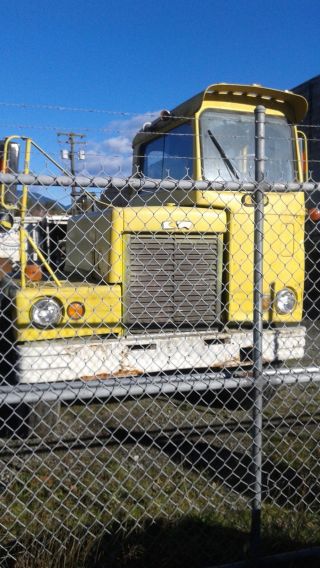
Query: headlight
(285,301)
(46,312)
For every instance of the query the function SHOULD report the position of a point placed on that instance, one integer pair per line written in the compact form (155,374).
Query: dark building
(311,124)
(311,127)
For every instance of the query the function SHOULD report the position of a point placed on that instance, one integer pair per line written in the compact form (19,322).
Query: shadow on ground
(282,484)
(188,543)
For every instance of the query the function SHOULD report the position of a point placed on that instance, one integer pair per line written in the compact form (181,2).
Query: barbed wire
(63,108)
(152,114)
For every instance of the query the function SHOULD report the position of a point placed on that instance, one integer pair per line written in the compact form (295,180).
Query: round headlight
(46,312)
(285,301)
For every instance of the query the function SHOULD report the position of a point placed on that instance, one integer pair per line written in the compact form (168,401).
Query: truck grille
(172,279)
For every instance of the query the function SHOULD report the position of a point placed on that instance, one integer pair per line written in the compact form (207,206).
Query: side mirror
(303,154)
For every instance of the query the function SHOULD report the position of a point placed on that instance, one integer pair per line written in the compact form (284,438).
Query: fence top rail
(143,183)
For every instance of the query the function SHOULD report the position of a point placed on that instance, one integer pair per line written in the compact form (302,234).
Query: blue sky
(140,56)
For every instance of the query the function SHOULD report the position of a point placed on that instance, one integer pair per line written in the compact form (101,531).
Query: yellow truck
(157,280)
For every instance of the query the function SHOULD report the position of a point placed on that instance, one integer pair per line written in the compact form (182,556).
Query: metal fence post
(257,329)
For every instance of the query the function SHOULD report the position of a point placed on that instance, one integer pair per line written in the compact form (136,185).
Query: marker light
(76,310)
(314,214)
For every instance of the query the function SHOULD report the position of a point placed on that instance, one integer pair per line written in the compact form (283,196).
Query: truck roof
(292,105)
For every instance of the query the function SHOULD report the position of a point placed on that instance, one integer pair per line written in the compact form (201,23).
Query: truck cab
(160,280)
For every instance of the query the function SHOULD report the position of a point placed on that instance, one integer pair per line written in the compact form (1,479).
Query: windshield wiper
(223,155)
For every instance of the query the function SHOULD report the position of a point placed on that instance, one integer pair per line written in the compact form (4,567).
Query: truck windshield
(227,145)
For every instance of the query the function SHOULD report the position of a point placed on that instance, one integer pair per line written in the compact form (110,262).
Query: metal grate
(173,279)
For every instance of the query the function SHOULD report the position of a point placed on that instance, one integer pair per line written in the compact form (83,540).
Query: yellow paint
(156,219)
(102,310)
(283,263)
(283,233)
(116,246)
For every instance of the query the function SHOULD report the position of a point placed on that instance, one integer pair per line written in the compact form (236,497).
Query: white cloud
(113,155)
(119,144)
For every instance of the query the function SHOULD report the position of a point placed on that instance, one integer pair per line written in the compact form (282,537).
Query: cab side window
(171,154)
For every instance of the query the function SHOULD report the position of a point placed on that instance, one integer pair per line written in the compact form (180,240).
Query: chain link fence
(160,352)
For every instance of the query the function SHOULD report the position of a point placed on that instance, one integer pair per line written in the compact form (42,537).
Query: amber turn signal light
(75,311)
(33,272)
(266,303)
(314,214)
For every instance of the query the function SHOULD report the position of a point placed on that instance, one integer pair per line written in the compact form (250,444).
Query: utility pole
(73,138)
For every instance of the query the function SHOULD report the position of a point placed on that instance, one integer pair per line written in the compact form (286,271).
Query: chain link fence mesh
(128,393)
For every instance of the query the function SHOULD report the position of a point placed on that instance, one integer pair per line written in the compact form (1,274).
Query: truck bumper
(103,358)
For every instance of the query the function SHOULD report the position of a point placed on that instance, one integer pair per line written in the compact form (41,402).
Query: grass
(161,503)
